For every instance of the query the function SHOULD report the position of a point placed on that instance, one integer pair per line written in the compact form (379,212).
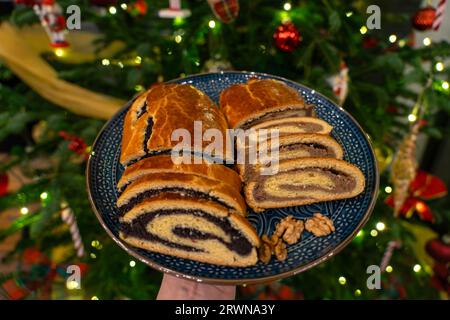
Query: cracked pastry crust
(153,117)
(190,228)
(258,101)
(304,181)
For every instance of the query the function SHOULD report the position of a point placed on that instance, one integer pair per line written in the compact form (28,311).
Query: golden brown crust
(169,107)
(164,164)
(295,125)
(158,181)
(244,102)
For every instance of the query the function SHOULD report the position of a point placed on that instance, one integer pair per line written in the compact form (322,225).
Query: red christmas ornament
(287,37)
(76,144)
(424,18)
(424,187)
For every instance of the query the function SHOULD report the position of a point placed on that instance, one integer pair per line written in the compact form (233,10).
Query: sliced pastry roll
(191,228)
(295,125)
(259,101)
(304,181)
(195,186)
(155,116)
(296,146)
(165,164)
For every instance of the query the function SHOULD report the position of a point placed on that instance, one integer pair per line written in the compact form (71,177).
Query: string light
(106,62)
(389,269)
(132,263)
(95,243)
(44,195)
(124,6)
(112,10)
(342,280)
(357,292)
(59,52)
(360,233)
(349,14)
(439,66)
(392,38)
(71,285)
(445,85)
(401,43)
(24,210)
(417,268)
(120,64)
(426,41)
(178,21)
(363,30)
(138,60)
(93,255)
(212,24)
(287,6)
(138,88)
(373,233)
(388,189)
(94,298)
(380,226)
(178,38)
(412,117)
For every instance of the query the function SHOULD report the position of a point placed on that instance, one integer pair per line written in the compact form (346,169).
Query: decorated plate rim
(131,251)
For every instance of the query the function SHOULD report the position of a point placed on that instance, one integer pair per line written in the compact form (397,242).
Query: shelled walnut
(289,229)
(319,225)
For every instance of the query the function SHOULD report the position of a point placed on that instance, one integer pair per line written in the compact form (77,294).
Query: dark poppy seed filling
(148,132)
(142,110)
(154,192)
(138,229)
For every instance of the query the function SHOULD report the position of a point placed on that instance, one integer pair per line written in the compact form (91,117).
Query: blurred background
(65,70)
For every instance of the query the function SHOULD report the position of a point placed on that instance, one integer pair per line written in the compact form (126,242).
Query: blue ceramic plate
(104,170)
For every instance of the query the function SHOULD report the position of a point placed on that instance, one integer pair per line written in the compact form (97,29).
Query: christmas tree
(56,93)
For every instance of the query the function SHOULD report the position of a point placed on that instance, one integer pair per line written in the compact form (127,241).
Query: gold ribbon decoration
(20,50)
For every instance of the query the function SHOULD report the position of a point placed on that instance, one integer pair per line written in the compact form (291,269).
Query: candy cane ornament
(68,217)
(439,18)
(392,245)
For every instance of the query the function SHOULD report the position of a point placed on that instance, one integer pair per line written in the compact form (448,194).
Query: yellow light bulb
(426,41)
(445,85)
(389,269)
(24,210)
(212,24)
(388,189)
(380,226)
(373,233)
(287,6)
(112,10)
(342,280)
(417,268)
(392,38)
(357,292)
(44,195)
(439,66)
(132,263)
(412,117)
(363,30)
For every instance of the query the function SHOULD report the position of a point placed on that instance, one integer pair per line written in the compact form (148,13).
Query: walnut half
(319,225)
(289,229)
